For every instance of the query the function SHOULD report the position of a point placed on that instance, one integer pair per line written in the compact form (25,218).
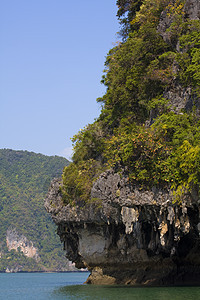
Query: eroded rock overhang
(130,236)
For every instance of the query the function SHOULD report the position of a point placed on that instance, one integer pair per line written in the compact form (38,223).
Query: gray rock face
(180,98)
(192,11)
(16,241)
(130,236)
(192,8)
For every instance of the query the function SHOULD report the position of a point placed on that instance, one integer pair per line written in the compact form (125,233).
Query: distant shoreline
(46,272)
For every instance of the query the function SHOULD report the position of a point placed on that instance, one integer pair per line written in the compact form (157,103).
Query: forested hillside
(24,181)
(149,123)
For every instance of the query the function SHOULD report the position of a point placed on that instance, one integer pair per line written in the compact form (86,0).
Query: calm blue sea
(44,286)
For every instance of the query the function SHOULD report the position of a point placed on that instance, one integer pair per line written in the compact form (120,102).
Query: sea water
(44,286)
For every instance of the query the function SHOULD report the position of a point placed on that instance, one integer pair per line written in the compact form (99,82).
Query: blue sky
(51,60)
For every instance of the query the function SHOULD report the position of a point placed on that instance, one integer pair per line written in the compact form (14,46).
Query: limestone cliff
(127,232)
(130,236)
(19,242)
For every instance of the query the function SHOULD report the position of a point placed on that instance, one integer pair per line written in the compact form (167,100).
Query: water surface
(68,286)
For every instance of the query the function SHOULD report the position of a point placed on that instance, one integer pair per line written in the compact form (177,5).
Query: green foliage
(87,164)
(130,77)
(187,163)
(15,261)
(142,153)
(174,129)
(190,59)
(126,12)
(149,12)
(138,73)
(167,152)
(78,180)
(88,143)
(185,169)
(181,133)
(24,181)
(187,35)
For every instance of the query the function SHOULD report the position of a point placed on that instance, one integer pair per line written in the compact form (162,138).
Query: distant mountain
(28,239)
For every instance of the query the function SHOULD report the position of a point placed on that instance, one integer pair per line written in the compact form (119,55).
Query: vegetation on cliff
(24,181)
(140,127)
